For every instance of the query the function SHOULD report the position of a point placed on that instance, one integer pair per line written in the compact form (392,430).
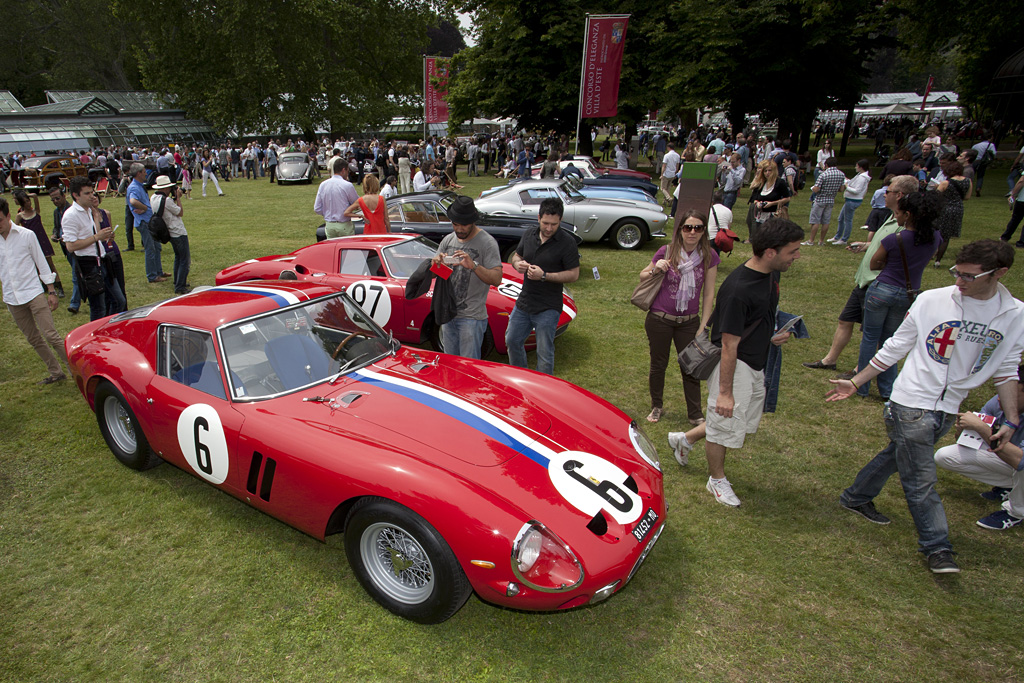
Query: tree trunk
(737,117)
(847,129)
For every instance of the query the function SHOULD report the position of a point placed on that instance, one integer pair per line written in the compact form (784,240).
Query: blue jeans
(182,262)
(463,337)
(76,291)
(520,324)
(911,452)
(729,199)
(846,219)
(154,268)
(884,309)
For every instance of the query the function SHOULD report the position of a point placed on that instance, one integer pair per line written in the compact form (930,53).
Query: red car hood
(444,407)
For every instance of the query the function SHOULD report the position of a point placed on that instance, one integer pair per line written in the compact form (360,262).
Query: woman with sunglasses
(901,256)
(682,306)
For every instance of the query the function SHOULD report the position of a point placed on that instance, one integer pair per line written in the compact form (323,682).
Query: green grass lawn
(109,574)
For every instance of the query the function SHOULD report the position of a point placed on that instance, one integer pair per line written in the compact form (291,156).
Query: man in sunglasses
(954,339)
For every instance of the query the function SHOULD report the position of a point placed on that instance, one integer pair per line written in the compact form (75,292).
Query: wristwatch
(543,277)
(475,265)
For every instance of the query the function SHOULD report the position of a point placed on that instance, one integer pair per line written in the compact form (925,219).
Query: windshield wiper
(345,367)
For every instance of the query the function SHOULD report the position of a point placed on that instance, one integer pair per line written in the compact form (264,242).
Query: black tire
(403,563)
(629,233)
(434,337)
(121,429)
(507,256)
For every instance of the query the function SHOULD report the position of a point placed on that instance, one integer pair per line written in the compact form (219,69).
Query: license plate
(644,526)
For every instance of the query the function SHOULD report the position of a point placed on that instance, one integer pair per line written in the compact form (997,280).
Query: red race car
(447,476)
(374,270)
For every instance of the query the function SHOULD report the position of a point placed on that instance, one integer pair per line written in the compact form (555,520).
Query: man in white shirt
(332,198)
(670,166)
(166,201)
(22,266)
(87,242)
(422,181)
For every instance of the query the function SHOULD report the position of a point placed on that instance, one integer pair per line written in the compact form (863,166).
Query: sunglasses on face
(691,228)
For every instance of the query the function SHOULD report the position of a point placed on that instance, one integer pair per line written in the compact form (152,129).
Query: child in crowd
(879,214)
(920,174)
(186,181)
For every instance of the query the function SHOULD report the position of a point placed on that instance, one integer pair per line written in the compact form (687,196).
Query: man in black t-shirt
(547,257)
(743,325)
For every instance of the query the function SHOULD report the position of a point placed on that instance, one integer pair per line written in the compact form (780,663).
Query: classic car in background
(36,170)
(295,167)
(374,270)
(445,475)
(594,191)
(626,224)
(425,213)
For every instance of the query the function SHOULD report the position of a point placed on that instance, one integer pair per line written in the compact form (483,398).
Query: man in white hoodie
(954,339)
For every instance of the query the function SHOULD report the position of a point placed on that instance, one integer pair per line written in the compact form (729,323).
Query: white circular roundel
(373,298)
(510,288)
(592,484)
(201,437)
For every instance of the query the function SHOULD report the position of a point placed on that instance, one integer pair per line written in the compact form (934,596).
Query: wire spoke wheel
(397,563)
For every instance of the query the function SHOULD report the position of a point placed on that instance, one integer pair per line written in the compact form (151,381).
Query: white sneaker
(807,244)
(723,492)
(680,447)
(838,243)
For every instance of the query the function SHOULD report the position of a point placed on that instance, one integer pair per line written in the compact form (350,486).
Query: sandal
(654,415)
(818,365)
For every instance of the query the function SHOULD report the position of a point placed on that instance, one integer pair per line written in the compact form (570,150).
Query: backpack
(801,179)
(158,226)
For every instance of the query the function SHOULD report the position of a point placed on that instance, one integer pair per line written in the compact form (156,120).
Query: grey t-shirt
(470,291)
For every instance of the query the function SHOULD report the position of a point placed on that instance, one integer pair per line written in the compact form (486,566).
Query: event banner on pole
(602,63)
(435,88)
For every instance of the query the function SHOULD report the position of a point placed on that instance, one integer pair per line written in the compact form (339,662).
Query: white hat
(163,182)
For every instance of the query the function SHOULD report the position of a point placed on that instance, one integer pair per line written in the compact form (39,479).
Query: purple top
(917,259)
(666,299)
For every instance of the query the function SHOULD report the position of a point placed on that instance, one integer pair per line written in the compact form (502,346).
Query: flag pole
(425,136)
(583,71)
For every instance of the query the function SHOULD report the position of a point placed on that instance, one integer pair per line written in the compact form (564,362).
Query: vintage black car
(424,213)
(295,167)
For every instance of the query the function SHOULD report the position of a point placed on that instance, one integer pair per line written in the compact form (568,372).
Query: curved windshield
(294,158)
(34,162)
(405,257)
(572,193)
(299,346)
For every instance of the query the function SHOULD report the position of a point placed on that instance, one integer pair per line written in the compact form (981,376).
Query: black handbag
(93,283)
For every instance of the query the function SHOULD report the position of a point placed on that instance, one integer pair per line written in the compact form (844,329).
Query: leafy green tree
(61,45)
(526,64)
(267,64)
(781,59)
(979,34)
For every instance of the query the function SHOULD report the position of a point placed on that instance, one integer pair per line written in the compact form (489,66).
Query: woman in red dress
(372,208)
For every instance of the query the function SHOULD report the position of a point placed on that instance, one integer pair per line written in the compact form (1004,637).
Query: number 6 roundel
(202,442)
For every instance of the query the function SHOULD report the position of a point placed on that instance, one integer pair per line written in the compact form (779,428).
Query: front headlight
(643,445)
(542,561)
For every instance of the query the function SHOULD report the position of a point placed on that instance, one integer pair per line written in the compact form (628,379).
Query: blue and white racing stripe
(463,411)
(282,298)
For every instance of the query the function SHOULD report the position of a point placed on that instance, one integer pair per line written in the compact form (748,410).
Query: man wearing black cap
(473,256)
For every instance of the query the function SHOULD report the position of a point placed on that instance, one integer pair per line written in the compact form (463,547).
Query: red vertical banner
(927,91)
(435,88)
(602,64)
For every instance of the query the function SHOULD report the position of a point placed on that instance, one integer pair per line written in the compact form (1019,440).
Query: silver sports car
(627,224)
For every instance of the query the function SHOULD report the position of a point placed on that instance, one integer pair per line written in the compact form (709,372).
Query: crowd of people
(953,339)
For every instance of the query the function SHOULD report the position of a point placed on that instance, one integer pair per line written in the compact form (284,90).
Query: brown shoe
(159,278)
(53,379)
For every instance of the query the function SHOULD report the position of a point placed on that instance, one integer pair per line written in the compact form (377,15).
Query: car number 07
(373,298)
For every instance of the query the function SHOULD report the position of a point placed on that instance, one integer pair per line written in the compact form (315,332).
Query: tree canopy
(267,64)
(783,59)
